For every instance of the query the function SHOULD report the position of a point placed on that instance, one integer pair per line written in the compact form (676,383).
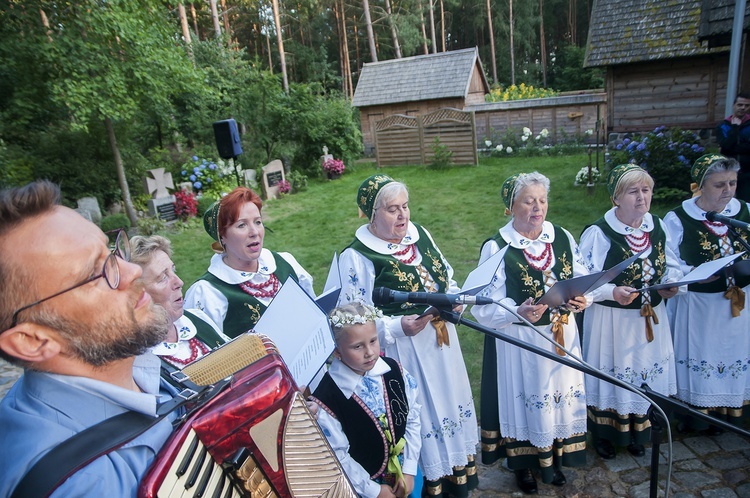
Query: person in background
(625,333)
(533,408)
(192,334)
(243,276)
(75,314)
(733,136)
(710,322)
(390,251)
(369,409)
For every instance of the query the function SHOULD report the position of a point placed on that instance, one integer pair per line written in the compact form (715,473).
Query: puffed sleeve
(491,315)
(579,266)
(207,298)
(358,476)
(412,434)
(594,248)
(674,230)
(305,279)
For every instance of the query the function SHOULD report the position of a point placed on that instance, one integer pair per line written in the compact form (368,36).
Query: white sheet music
(482,275)
(300,329)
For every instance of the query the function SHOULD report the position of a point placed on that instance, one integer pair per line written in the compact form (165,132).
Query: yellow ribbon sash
(394,466)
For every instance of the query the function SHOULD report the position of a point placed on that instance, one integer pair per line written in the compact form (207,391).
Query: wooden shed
(666,60)
(418,85)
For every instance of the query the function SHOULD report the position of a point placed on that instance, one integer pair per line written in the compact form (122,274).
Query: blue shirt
(42,410)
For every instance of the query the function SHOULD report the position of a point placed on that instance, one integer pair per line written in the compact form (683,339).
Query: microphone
(383,295)
(731,222)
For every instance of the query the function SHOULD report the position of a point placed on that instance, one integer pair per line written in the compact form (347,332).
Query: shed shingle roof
(423,77)
(717,19)
(625,31)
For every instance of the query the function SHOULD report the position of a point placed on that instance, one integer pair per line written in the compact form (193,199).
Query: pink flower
(335,166)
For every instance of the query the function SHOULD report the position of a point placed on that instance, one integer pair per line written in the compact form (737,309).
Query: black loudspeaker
(227,138)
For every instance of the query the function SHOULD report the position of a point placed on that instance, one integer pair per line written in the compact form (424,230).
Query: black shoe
(526,482)
(558,479)
(712,430)
(636,449)
(604,448)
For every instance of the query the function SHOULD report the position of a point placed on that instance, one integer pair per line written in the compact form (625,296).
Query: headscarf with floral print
(701,165)
(211,225)
(617,173)
(508,190)
(367,195)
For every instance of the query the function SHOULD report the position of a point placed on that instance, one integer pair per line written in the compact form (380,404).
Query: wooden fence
(402,140)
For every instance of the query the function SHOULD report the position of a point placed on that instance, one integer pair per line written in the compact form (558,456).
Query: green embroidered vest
(205,332)
(244,310)
(522,281)
(632,276)
(393,274)
(699,245)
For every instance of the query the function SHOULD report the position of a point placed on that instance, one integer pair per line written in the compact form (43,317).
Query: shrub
(185,205)
(334,167)
(285,187)
(442,156)
(151,226)
(204,202)
(667,154)
(582,177)
(518,92)
(207,176)
(115,221)
(298,181)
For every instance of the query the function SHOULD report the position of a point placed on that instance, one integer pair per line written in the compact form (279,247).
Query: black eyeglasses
(110,271)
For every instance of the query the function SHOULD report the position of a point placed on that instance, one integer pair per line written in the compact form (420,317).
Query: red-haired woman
(243,277)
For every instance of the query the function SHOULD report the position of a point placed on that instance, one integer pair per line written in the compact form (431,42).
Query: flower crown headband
(339,319)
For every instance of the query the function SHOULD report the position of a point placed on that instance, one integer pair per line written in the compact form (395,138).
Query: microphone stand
(666,403)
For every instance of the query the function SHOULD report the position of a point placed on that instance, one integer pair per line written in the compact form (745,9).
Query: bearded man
(75,316)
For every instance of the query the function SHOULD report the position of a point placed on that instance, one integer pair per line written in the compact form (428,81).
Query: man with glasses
(75,316)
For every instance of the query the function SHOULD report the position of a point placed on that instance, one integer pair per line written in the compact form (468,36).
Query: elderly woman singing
(391,251)
(533,408)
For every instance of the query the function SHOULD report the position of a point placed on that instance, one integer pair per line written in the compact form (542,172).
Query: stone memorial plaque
(251,178)
(90,206)
(162,208)
(273,173)
(158,185)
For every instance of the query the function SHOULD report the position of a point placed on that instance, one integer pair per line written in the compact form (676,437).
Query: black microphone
(383,295)
(731,222)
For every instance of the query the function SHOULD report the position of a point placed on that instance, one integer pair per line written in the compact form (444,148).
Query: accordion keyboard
(195,474)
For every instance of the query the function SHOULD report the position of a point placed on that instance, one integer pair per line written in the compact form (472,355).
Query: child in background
(370,413)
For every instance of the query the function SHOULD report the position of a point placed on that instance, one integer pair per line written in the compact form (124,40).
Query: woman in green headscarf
(710,322)
(626,333)
(393,252)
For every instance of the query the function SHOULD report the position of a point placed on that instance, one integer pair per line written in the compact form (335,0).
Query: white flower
(488,143)
(537,138)
(589,132)
(526,131)
(544,133)
(499,148)
(582,177)
(509,150)
(525,137)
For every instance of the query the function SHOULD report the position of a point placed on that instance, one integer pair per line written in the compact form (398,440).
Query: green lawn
(460,206)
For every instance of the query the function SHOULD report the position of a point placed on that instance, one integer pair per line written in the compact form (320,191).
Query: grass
(460,206)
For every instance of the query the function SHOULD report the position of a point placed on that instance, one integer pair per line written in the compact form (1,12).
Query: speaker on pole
(227,138)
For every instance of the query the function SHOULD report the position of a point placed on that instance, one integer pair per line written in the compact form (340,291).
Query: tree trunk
(280,42)
(194,15)
(512,51)
(492,43)
(425,48)
(542,44)
(394,35)
(45,23)
(346,69)
(433,39)
(268,47)
(225,18)
(572,21)
(185,29)
(215,18)
(442,23)
(370,34)
(122,180)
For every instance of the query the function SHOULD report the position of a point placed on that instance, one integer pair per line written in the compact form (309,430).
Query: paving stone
(679,451)
(694,464)
(643,491)
(732,442)
(728,462)
(693,480)
(701,445)
(735,476)
(743,490)
(623,461)
(718,493)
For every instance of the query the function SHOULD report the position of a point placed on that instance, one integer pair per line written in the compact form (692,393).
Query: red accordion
(256,438)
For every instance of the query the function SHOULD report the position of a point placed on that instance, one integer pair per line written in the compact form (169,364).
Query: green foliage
(150,225)
(115,221)
(518,92)
(442,156)
(210,177)
(667,154)
(298,181)
(204,202)
(567,72)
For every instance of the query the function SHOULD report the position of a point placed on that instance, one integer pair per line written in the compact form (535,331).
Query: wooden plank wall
(565,117)
(402,140)
(686,93)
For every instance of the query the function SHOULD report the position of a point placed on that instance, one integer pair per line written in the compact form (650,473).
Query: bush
(667,155)
(185,205)
(115,221)
(207,176)
(298,181)
(204,202)
(151,226)
(442,156)
(519,92)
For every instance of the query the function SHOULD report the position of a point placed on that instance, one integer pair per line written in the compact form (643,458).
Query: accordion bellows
(256,438)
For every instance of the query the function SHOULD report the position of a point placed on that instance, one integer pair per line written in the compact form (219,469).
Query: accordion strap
(108,435)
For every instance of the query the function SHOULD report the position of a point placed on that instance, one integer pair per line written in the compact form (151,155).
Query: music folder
(332,289)
(700,273)
(300,330)
(564,290)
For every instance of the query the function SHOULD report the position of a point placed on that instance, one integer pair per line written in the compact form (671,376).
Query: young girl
(370,413)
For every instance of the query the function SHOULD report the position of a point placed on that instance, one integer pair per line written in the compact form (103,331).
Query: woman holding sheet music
(243,276)
(626,333)
(711,320)
(392,252)
(533,408)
